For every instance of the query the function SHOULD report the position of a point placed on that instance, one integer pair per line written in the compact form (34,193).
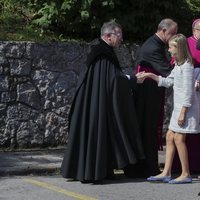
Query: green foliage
(82,19)
(48,13)
(194,5)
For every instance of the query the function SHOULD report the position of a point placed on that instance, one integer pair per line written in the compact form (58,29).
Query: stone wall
(37,82)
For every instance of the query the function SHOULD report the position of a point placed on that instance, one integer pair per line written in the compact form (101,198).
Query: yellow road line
(59,190)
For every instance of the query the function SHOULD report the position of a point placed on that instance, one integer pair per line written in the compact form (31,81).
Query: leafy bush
(82,19)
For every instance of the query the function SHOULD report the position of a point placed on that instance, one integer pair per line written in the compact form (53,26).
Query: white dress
(182,80)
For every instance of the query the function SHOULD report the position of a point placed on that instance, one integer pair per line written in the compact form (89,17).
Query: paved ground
(40,184)
(54,187)
(36,161)
(30,162)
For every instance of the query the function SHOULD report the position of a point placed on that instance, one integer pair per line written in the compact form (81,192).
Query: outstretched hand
(140,77)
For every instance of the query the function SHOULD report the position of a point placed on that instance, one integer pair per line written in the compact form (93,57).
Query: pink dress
(192,140)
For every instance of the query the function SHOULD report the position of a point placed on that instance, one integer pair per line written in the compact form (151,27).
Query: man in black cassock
(149,98)
(103,129)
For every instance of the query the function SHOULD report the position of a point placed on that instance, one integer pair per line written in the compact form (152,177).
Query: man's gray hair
(196,23)
(109,27)
(166,23)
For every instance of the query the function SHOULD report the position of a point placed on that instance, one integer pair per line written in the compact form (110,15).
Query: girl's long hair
(183,52)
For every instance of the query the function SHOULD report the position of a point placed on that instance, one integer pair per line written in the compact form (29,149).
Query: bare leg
(170,151)
(179,139)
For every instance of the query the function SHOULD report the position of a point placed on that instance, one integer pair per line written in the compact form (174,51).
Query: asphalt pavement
(34,161)
(37,161)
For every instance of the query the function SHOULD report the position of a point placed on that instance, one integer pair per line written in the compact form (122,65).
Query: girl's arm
(182,115)
(187,78)
(187,84)
(152,76)
(162,81)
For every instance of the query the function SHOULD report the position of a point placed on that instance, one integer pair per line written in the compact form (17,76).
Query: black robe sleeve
(133,82)
(153,54)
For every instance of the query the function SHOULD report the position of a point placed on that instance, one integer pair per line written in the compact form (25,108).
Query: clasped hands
(141,76)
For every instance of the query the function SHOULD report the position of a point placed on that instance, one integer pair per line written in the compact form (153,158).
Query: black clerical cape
(103,129)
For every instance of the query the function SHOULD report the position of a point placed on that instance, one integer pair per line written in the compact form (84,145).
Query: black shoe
(86,181)
(133,171)
(110,175)
(135,175)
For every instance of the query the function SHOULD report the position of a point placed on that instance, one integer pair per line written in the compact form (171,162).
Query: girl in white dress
(185,118)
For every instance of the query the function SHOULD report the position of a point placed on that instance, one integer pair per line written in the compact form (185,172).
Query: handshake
(141,76)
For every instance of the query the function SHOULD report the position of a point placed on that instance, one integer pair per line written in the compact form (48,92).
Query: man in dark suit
(149,98)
